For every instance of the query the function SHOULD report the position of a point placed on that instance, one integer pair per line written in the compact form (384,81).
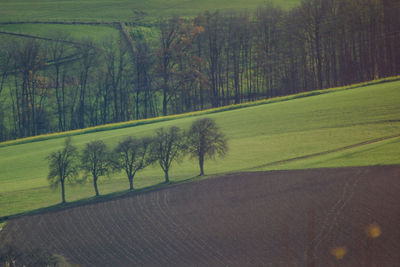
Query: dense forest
(212,60)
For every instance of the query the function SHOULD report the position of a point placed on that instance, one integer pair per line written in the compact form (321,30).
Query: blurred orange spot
(338,252)
(373,230)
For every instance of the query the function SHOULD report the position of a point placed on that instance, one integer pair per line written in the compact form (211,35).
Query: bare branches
(205,140)
(63,166)
(168,146)
(95,161)
(132,155)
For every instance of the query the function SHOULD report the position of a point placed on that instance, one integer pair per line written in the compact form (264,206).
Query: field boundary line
(37,37)
(112,23)
(324,152)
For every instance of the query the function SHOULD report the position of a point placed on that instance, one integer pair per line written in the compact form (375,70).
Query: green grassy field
(73,32)
(258,136)
(77,32)
(106,11)
(144,12)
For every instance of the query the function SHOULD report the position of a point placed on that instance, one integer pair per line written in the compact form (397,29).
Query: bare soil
(279,218)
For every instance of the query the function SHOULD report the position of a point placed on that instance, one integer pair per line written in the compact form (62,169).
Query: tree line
(212,60)
(202,141)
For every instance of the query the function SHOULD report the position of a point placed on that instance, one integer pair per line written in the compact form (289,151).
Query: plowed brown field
(279,218)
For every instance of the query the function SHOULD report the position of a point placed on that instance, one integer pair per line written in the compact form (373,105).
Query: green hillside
(125,10)
(261,137)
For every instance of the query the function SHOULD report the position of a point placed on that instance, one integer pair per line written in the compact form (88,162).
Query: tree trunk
(60,124)
(130,183)
(318,56)
(201,163)
(96,190)
(164,106)
(63,102)
(62,192)
(166,176)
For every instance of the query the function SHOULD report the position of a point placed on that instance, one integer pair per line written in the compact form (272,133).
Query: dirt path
(278,218)
(128,39)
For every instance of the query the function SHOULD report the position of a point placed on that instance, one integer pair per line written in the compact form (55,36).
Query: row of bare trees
(213,60)
(203,140)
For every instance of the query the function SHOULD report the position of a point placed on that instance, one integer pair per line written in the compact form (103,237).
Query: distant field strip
(101,11)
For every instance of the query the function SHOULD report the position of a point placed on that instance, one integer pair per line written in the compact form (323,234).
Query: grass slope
(106,11)
(258,135)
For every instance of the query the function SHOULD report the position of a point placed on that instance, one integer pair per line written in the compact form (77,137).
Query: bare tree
(205,140)
(133,155)
(144,62)
(168,146)
(116,63)
(57,51)
(176,38)
(95,161)
(87,51)
(28,59)
(215,38)
(166,54)
(5,65)
(5,62)
(63,166)
(11,255)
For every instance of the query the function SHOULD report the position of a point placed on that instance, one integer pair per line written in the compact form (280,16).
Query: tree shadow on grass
(101,198)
